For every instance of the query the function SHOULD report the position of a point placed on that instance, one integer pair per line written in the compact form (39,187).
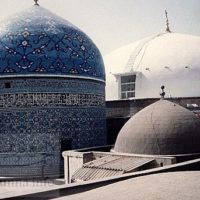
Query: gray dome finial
(162,94)
(36,2)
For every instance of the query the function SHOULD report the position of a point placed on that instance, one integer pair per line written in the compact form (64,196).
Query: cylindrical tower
(52,93)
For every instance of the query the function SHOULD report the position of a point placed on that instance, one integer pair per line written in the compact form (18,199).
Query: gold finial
(167,22)
(36,2)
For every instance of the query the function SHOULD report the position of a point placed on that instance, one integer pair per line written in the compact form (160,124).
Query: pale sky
(114,23)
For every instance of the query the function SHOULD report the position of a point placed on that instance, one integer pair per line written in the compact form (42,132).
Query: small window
(128,86)
(128,79)
(130,94)
(7,85)
(123,95)
(126,95)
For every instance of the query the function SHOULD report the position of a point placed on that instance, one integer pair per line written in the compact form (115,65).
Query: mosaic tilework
(24,100)
(52,85)
(39,42)
(33,125)
(41,130)
(29,164)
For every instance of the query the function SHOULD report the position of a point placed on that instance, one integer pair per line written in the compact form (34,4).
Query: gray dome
(163,128)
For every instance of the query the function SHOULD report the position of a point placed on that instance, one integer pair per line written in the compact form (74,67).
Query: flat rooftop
(164,186)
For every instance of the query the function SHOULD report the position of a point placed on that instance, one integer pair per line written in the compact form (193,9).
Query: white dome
(169,59)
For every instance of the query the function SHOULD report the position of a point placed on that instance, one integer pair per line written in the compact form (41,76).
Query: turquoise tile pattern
(37,41)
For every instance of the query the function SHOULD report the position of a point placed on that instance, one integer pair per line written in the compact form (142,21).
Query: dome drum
(53,116)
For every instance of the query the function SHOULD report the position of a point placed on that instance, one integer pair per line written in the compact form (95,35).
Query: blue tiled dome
(37,42)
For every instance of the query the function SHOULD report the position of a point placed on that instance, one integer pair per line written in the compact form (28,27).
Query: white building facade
(139,69)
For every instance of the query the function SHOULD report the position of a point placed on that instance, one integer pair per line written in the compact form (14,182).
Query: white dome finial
(36,2)
(167,22)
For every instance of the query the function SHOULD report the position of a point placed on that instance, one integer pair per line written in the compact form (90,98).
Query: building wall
(40,117)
